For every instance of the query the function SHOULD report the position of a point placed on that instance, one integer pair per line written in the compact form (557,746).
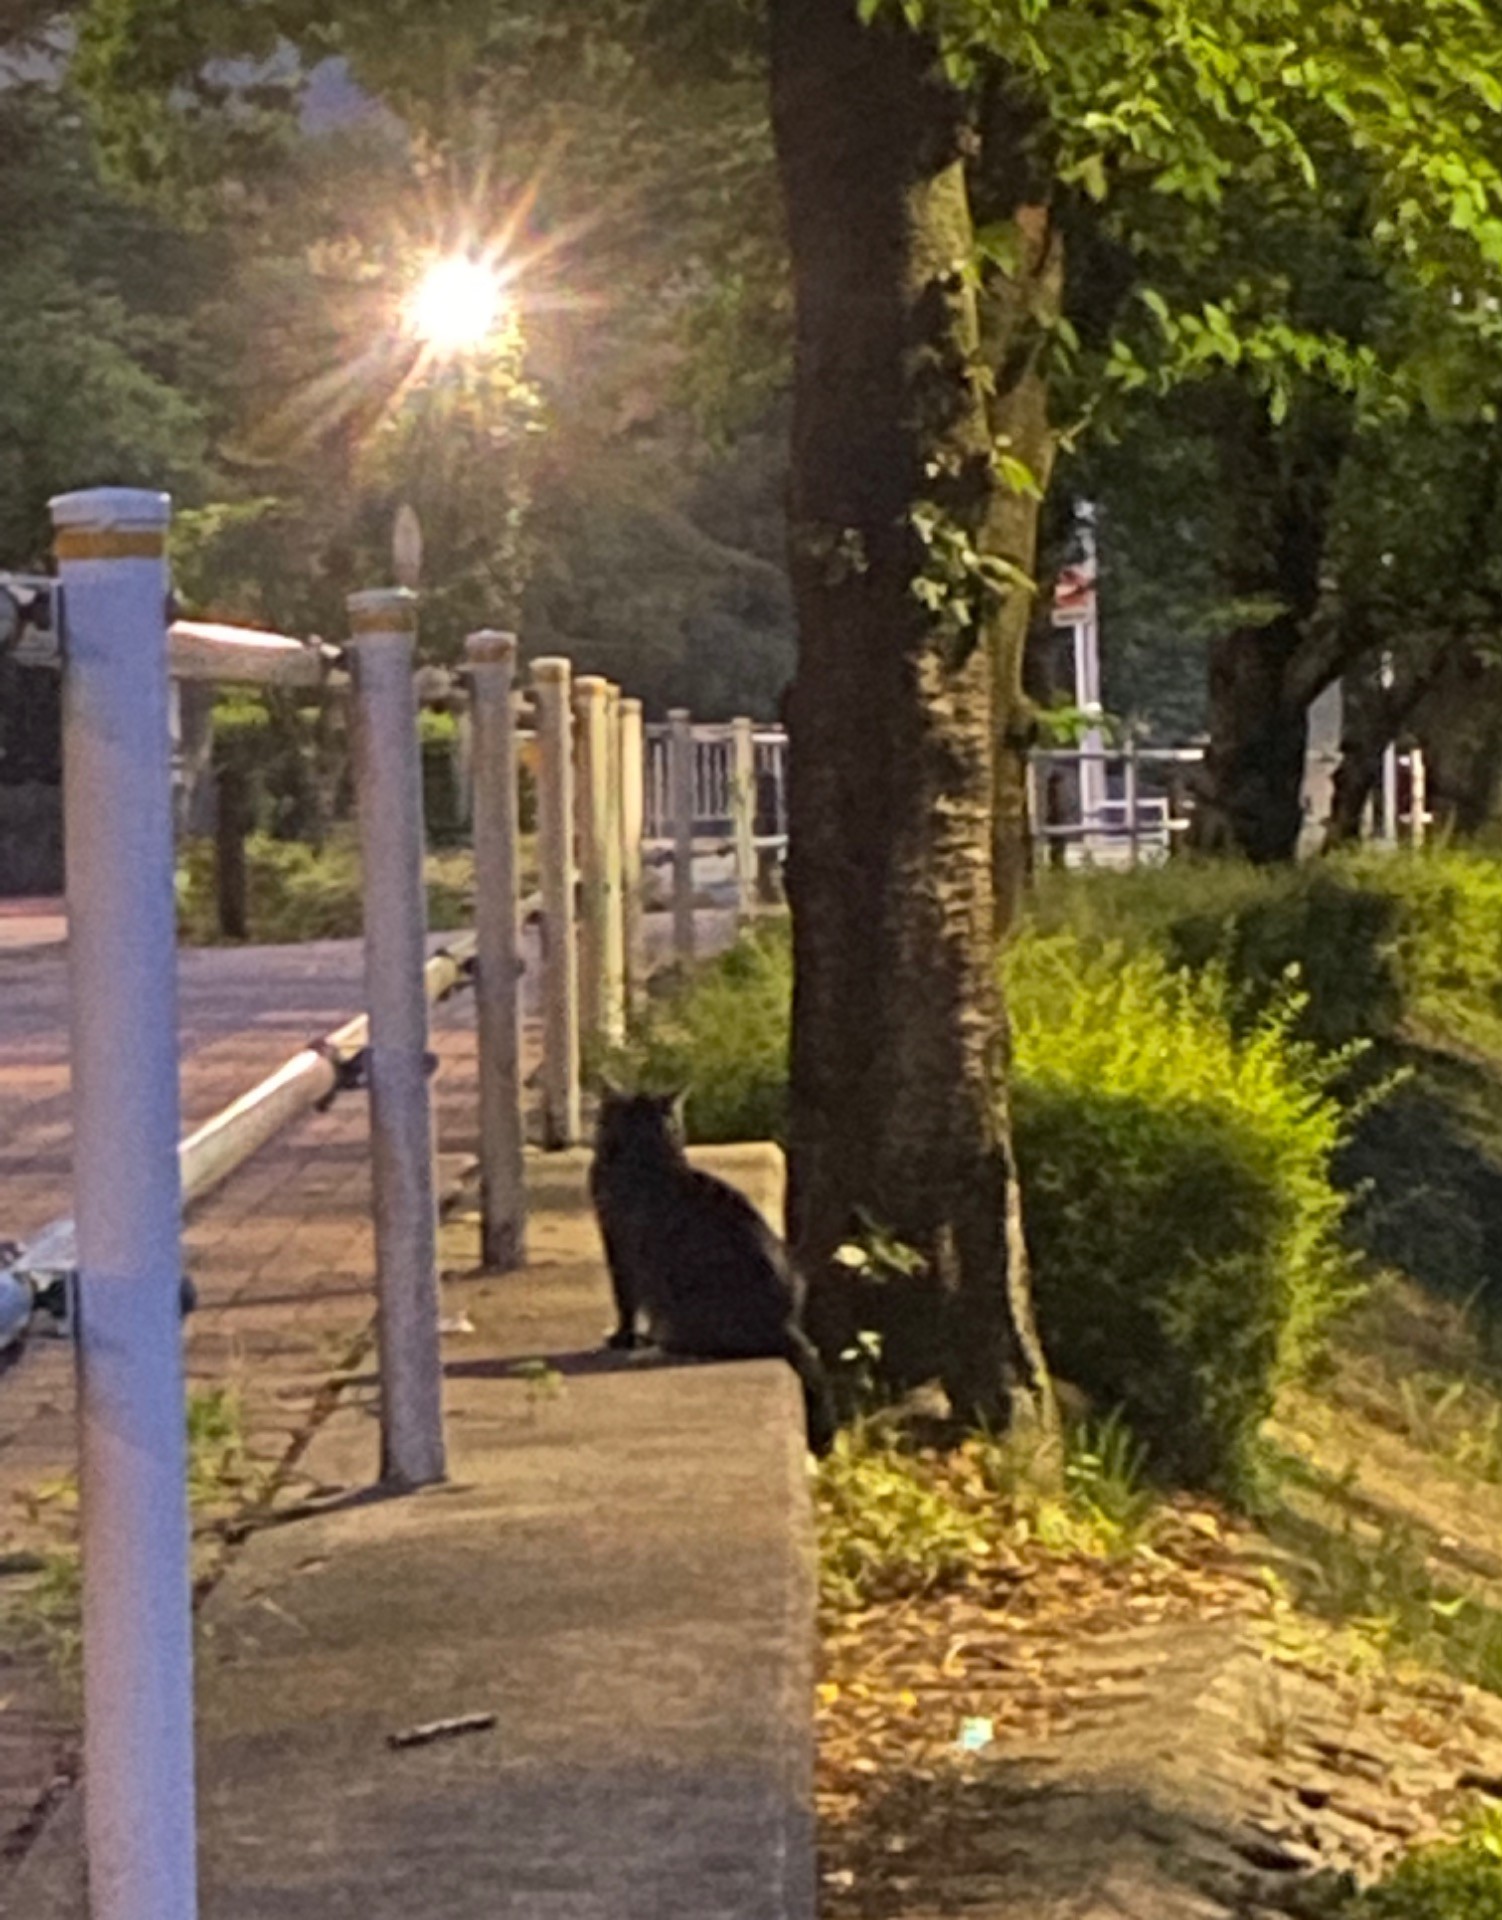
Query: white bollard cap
(489,647)
(630,707)
(382,611)
(591,686)
(111,523)
(552,669)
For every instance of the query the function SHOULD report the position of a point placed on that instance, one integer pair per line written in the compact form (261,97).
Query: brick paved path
(282,1257)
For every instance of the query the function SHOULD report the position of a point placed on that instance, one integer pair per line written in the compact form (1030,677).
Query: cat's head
(640,1123)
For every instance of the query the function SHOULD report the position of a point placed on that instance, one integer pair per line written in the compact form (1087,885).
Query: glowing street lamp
(455,306)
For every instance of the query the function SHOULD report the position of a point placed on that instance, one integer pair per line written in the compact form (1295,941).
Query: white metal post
(388,792)
(592,824)
(491,659)
(555,860)
(633,773)
(681,799)
(1418,798)
(1387,675)
(1030,801)
(743,811)
(1389,814)
(1133,792)
(137,1607)
(615,876)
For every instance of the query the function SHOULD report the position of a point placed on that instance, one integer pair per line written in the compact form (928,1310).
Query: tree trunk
(898,1100)
(1252,799)
(1251,793)
(1457,719)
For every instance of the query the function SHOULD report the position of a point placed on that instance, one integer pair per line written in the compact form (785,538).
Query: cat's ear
(671,1105)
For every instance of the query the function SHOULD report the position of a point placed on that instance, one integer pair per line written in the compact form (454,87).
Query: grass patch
(1378,1580)
(1460,1879)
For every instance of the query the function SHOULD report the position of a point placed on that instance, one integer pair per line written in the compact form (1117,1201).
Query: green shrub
(1381,943)
(242,730)
(271,741)
(442,808)
(724,1035)
(297,892)
(1184,1227)
(1448,940)
(893,1522)
(1458,1880)
(1314,924)
(1176,1172)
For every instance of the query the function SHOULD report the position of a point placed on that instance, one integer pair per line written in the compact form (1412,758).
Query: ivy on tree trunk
(899,1113)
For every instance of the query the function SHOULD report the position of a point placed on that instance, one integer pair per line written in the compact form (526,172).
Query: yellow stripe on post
(112,543)
(392,617)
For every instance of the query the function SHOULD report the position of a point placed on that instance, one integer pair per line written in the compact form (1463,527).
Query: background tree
(942,163)
(97,369)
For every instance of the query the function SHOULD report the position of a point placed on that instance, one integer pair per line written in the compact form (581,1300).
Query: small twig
(442,1730)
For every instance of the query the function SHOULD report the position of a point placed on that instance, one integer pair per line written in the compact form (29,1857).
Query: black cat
(692,1257)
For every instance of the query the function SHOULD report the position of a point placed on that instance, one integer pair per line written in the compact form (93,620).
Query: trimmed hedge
(1177,1195)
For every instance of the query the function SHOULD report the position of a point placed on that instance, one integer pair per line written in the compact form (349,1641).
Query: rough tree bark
(898,1096)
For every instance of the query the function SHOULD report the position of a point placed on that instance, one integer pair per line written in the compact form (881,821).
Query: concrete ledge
(621,1571)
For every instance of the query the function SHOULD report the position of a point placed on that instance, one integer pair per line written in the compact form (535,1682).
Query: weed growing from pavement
(44,1611)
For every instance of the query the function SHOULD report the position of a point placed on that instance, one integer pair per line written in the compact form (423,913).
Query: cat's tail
(818,1398)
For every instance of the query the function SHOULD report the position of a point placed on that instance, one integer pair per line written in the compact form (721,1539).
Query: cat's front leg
(625,1337)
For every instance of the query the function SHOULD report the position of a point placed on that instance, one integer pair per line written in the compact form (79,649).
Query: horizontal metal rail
(212,1152)
(210,650)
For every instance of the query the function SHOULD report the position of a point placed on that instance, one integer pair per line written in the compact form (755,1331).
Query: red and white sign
(1074,596)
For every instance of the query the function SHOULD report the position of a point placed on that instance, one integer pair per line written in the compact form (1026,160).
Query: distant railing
(714,785)
(1109,806)
(1131,805)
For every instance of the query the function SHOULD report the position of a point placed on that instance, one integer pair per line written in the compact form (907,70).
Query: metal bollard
(615,906)
(122,961)
(681,796)
(491,658)
(555,859)
(632,808)
(388,790)
(743,809)
(592,822)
